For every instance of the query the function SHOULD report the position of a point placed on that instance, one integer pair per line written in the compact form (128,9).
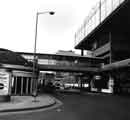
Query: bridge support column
(91,85)
(111,84)
(81,84)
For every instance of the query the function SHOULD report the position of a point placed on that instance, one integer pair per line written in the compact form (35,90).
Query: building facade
(16,76)
(105,33)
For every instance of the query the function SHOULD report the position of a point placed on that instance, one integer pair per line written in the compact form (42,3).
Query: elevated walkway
(72,66)
(67,68)
(65,63)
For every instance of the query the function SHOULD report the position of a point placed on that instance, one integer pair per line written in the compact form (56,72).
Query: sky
(18,21)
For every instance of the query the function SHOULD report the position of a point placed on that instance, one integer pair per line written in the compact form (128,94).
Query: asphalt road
(81,107)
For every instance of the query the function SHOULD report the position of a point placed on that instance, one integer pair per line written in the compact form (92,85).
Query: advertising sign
(4,83)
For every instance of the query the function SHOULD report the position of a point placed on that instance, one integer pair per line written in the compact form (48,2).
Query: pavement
(77,91)
(69,91)
(23,103)
(27,103)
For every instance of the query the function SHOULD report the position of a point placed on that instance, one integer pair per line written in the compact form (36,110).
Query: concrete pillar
(110,40)
(92,87)
(111,84)
(81,84)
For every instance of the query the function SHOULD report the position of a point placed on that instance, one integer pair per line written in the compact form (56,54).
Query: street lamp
(35,49)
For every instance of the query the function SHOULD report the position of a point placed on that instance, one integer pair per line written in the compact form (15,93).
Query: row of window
(99,12)
(21,85)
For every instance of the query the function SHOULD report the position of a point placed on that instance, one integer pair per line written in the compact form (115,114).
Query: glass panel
(24,85)
(103,10)
(121,1)
(13,89)
(108,7)
(115,4)
(18,84)
(31,85)
(21,85)
(15,85)
(86,27)
(97,17)
(27,85)
(93,22)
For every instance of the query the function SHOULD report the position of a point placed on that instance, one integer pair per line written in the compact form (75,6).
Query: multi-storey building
(106,34)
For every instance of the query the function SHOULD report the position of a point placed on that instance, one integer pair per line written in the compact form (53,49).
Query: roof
(63,56)
(10,57)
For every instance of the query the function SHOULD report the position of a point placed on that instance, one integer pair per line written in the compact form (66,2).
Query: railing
(97,15)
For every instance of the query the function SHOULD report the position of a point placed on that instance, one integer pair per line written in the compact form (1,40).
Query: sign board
(4,83)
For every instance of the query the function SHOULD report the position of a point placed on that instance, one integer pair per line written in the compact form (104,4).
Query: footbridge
(65,63)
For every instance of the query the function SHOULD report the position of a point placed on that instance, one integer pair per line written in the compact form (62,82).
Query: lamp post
(34,54)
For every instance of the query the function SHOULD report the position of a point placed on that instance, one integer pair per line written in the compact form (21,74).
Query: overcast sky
(18,17)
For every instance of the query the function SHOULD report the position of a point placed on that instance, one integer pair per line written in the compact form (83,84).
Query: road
(81,107)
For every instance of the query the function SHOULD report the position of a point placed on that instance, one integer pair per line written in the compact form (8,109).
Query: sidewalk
(69,91)
(22,103)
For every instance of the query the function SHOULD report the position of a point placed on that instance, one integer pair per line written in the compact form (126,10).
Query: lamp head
(51,13)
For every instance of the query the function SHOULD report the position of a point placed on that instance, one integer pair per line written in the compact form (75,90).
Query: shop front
(22,83)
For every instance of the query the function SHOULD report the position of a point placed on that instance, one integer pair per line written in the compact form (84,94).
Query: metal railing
(97,15)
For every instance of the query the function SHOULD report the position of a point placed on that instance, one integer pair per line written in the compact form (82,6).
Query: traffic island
(25,103)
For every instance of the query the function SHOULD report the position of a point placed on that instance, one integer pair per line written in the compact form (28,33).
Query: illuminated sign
(4,83)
